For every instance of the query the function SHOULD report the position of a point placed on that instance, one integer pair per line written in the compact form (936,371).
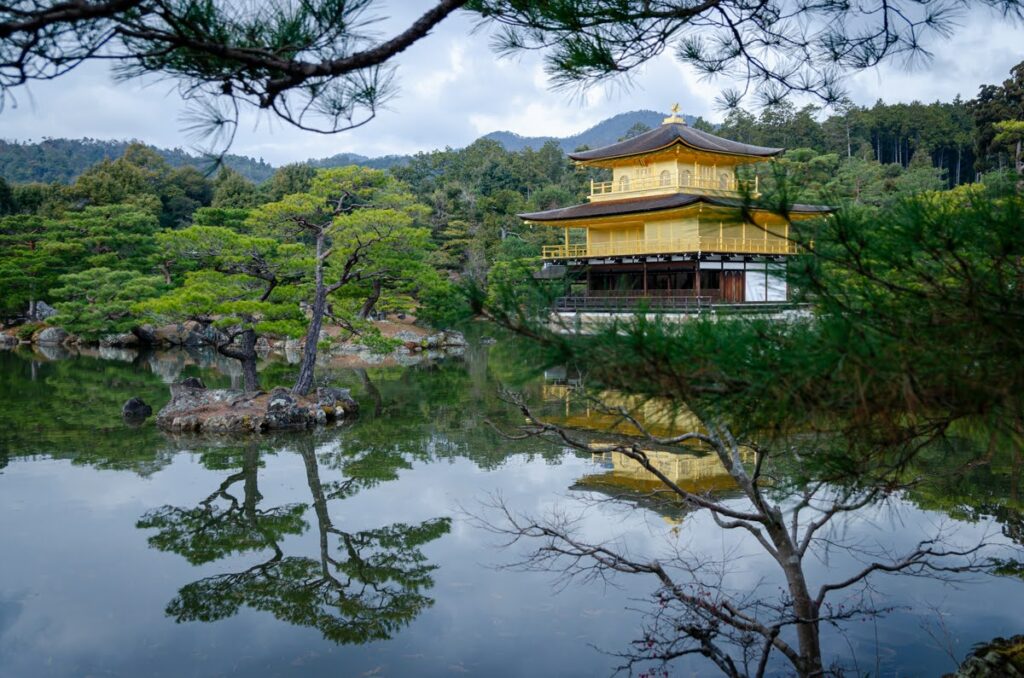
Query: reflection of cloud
(10,609)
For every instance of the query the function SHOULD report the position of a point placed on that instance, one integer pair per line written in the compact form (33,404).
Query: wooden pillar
(566,241)
(644,274)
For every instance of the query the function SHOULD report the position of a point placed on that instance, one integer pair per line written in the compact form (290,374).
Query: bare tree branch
(696,616)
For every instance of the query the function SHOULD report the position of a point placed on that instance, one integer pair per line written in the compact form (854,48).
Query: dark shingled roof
(665,135)
(649,204)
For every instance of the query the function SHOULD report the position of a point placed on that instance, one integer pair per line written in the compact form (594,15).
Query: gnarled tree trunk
(804,608)
(371,301)
(304,382)
(244,351)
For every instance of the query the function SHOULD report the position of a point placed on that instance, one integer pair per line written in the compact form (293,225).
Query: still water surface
(126,552)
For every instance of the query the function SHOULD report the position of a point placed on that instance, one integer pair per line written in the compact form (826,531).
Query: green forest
(141,236)
(62,160)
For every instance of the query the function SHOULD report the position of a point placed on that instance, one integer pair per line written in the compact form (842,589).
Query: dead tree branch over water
(695,612)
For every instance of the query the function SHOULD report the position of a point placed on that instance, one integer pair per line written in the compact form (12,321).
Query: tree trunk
(250,378)
(304,382)
(244,352)
(323,517)
(251,467)
(32,309)
(804,609)
(787,555)
(371,301)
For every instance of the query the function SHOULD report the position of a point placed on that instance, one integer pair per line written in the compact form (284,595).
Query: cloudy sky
(453,89)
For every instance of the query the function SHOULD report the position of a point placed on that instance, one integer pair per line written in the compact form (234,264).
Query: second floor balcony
(720,183)
(626,248)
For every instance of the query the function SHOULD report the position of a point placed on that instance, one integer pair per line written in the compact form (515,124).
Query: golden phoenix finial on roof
(675,117)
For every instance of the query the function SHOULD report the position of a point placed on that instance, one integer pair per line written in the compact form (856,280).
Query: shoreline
(414,345)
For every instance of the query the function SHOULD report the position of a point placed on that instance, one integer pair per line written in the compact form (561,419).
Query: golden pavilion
(669,230)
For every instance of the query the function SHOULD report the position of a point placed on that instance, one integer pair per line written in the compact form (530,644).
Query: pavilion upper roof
(655,203)
(668,134)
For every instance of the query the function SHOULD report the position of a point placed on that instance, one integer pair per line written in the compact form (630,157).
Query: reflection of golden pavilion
(691,472)
(695,472)
(660,417)
(626,479)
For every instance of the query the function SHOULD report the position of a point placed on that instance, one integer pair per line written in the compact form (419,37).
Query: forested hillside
(943,136)
(62,160)
(343,159)
(119,215)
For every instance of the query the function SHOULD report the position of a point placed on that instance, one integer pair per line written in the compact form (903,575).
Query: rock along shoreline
(196,409)
(413,344)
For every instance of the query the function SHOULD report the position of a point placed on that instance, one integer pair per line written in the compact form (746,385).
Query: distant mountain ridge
(606,132)
(62,160)
(343,159)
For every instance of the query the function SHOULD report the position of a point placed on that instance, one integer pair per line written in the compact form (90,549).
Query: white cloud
(534,119)
(453,89)
(432,86)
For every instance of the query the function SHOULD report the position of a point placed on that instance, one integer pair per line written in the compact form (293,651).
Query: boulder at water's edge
(196,409)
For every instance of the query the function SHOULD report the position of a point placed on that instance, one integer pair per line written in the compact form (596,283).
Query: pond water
(348,552)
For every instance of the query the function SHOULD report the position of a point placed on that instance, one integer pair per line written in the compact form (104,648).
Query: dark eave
(666,135)
(657,203)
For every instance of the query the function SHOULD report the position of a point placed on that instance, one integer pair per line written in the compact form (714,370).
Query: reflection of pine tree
(436,411)
(361,586)
(54,407)
(222,524)
(974,478)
